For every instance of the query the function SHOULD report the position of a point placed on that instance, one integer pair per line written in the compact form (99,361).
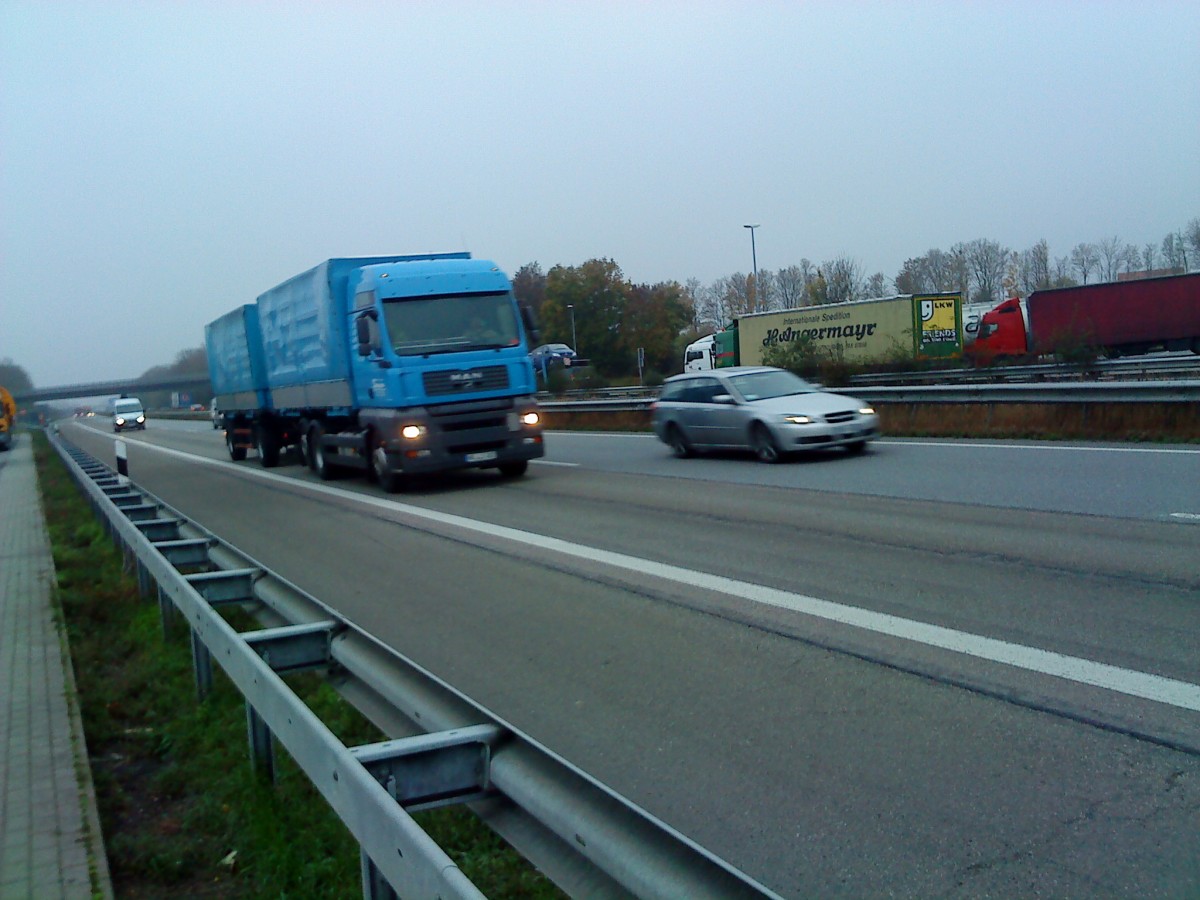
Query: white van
(699,356)
(127,412)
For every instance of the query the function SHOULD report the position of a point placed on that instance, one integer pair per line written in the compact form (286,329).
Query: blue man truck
(394,365)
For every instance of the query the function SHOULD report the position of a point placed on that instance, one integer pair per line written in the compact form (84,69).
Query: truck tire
(514,469)
(390,480)
(266,441)
(320,462)
(302,444)
(237,454)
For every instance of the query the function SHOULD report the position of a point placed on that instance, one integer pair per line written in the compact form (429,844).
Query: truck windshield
(447,323)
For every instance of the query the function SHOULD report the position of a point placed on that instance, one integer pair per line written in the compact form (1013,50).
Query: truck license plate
(485,456)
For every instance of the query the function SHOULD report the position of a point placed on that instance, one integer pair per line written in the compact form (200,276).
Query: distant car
(197,407)
(128,413)
(551,354)
(770,411)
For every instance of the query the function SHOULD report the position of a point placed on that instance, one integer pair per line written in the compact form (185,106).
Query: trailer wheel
(320,463)
(266,440)
(302,444)
(236,453)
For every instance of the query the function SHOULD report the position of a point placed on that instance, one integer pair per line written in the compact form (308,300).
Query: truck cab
(1002,332)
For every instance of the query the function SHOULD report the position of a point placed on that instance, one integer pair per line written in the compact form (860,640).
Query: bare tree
(1149,258)
(1174,252)
(789,285)
(1033,268)
(843,276)
(1192,235)
(1131,258)
(1084,260)
(878,285)
(986,261)
(1062,273)
(1112,254)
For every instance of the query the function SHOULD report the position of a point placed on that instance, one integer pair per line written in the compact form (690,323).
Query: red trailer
(1115,318)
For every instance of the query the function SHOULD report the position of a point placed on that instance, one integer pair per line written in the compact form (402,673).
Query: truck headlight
(412,432)
(530,418)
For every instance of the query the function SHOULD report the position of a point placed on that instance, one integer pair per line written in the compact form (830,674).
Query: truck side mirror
(530,322)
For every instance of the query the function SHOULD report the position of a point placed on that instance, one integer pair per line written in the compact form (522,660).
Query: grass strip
(181,809)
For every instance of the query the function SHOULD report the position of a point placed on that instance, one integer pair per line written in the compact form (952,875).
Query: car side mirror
(727,399)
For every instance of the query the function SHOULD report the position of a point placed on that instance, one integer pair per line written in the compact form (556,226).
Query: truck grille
(465,381)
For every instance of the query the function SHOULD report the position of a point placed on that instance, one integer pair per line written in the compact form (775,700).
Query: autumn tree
(14,377)
(529,286)
(598,292)
(656,316)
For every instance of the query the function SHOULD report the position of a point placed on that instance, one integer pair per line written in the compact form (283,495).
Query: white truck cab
(699,355)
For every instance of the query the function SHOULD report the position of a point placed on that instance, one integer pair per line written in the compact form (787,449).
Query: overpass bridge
(124,386)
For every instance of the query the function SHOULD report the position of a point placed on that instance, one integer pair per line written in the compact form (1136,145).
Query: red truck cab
(1002,332)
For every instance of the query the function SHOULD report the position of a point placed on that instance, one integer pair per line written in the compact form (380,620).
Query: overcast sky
(163,162)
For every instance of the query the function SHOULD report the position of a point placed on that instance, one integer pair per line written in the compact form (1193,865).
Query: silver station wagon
(770,411)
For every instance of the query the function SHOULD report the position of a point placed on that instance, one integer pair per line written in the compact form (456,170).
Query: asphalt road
(940,669)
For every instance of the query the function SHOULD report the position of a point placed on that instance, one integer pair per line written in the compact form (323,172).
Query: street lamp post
(574,342)
(754,260)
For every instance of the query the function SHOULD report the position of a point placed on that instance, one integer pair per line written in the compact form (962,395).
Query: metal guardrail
(583,835)
(1053,392)
(1137,369)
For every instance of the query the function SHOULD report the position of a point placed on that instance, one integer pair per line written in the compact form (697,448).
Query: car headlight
(867,411)
(141,420)
(412,432)
(798,420)
(120,421)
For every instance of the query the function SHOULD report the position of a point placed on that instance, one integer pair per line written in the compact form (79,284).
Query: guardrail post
(374,886)
(262,746)
(166,612)
(201,667)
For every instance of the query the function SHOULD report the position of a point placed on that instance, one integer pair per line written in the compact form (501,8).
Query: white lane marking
(1187,517)
(974,446)
(550,462)
(1169,691)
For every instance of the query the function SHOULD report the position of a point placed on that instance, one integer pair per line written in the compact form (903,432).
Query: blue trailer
(395,365)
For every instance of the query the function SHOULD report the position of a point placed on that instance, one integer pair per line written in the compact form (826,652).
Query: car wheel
(763,444)
(679,442)
(856,448)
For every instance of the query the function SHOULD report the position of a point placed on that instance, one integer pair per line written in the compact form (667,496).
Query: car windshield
(124,406)
(448,323)
(765,385)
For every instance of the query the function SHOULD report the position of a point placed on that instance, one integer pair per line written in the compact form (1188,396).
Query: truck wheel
(237,454)
(389,479)
(679,442)
(302,444)
(266,440)
(763,444)
(514,469)
(320,463)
